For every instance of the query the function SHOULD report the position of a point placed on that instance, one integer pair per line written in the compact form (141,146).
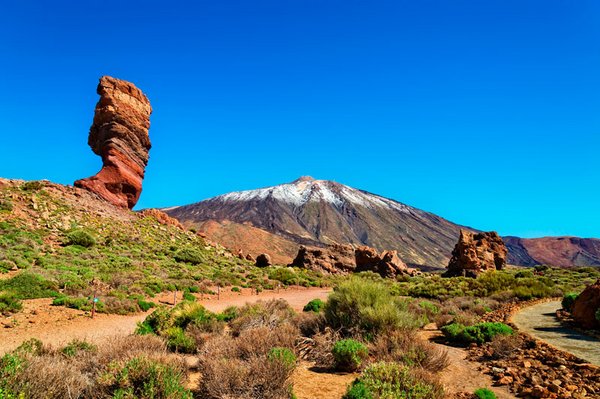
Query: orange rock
(119,134)
(475,253)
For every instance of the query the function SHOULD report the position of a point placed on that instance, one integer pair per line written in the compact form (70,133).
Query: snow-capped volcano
(306,189)
(317,212)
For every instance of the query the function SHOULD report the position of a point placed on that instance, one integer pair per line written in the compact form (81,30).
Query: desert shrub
(503,346)
(189,255)
(236,289)
(81,238)
(178,340)
(484,393)
(9,303)
(568,301)
(365,307)
(597,314)
(145,305)
(76,346)
(79,303)
(145,378)
(262,314)
(33,185)
(478,333)
(316,305)
(282,355)
(407,348)
(29,286)
(248,366)
(6,206)
(349,354)
(391,380)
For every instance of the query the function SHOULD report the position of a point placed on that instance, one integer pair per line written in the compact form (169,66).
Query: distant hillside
(317,212)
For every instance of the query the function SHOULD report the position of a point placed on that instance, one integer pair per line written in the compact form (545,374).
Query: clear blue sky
(484,112)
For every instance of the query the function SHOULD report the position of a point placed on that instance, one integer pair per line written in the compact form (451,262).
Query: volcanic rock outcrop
(119,134)
(475,253)
(587,305)
(341,259)
(331,259)
(386,264)
(263,260)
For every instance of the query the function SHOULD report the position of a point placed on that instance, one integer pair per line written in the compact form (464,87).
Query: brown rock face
(586,305)
(386,264)
(333,259)
(119,135)
(342,259)
(475,253)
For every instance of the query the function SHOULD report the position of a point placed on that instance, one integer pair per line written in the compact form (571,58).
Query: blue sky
(484,112)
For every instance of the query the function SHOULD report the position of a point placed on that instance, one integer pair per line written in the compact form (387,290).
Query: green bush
(391,380)
(484,393)
(145,305)
(81,238)
(189,255)
(349,354)
(145,378)
(316,305)
(283,355)
(76,346)
(367,307)
(478,333)
(178,341)
(9,303)
(29,286)
(568,301)
(187,296)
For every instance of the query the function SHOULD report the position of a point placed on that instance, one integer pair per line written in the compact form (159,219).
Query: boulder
(263,260)
(586,306)
(475,253)
(119,134)
(333,259)
(386,264)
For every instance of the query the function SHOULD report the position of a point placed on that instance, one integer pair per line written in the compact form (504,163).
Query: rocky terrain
(476,253)
(119,134)
(342,259)
(534,369)
(317,213)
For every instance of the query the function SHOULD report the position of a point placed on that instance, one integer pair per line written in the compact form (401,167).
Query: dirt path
(540,321)
(462,375)
(58,325)
(311,384)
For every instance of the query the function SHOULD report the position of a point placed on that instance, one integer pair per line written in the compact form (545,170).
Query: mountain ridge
(315,212)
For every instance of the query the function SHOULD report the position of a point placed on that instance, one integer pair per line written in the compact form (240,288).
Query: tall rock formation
(119,134)
(475,253)
(587,305)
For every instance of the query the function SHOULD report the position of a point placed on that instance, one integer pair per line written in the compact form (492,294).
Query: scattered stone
(333,259)
(161,217)
(119,134)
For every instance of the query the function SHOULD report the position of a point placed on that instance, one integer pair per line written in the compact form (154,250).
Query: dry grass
(502,346)
(406,347)
(49,373)
(239,367)
(268,314)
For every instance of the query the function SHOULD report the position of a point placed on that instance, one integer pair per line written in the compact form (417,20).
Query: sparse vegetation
(568,301)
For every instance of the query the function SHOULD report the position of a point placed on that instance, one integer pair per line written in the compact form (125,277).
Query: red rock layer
(587,305)
(119,134)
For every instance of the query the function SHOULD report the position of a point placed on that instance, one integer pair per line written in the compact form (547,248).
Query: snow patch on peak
(306,189)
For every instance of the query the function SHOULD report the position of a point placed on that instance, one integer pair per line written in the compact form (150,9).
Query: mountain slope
(317,212)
